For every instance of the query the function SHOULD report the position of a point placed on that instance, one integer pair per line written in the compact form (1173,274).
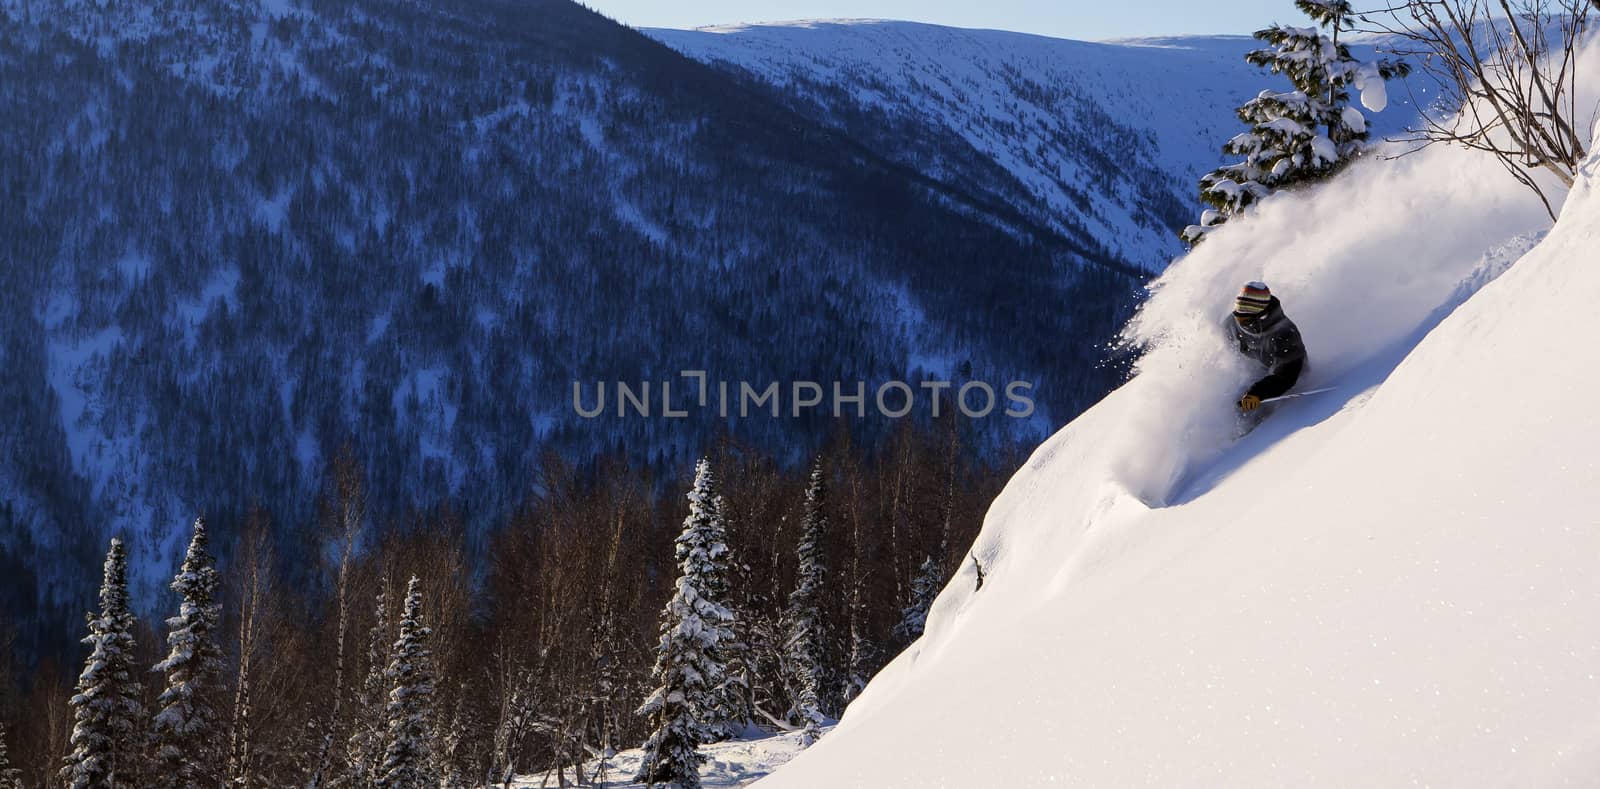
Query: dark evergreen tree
(106,710)
(688,670)
(408,756)
(808,636)
(188,734)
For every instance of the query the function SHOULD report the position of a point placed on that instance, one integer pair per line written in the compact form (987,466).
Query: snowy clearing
(728,764)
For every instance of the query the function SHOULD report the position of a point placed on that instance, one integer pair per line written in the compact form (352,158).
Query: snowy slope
(1392,584)
(1107,138)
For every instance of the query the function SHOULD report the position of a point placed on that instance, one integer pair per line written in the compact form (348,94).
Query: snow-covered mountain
(1102,141)
(1393,583)
(242,235)
(248,234)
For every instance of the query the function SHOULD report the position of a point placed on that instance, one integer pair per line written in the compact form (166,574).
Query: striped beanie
(1253,299)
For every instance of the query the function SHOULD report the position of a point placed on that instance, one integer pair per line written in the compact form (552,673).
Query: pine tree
(106,708)
(808,639)
(10,776)
(1303,134)
(688,669)
(188,736)
(408,757)
(366,746)
(923,591)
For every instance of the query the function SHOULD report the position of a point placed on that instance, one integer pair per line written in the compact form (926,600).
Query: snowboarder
(1267,336)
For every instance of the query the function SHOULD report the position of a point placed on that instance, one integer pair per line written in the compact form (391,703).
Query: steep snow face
(1392,583)
(1102,140)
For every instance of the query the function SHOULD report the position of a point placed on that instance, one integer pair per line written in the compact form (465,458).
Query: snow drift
(1393,583)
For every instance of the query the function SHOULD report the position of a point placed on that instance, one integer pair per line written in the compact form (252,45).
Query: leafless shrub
(1510,67)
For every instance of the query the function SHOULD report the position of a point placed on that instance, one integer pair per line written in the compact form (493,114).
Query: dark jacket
(1273,341)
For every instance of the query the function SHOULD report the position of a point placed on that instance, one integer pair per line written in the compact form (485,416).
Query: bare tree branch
(1508,80)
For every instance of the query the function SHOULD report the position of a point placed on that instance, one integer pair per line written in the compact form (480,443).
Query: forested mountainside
(239,236)
(1102,141)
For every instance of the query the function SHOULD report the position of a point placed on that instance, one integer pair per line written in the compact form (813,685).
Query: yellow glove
(1249,403)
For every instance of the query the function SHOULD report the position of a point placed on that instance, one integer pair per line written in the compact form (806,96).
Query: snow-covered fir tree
(1303,134)
(10,776)
(105,706)
(808,638)
(688,669)
(368,733)
(188,734)
(730,704)
(734,708)
(924,589)
(408,755)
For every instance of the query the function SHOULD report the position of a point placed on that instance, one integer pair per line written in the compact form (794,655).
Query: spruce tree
(367,740)
(188,735)
(688,670)
(1303,134)
(408,756)
(105,707)
(807,643)
(730,704)
(924,589)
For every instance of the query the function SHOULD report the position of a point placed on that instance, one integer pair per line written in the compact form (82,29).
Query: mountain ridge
(1104,141)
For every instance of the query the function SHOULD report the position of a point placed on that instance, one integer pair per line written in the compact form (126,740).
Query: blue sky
(1084,19)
